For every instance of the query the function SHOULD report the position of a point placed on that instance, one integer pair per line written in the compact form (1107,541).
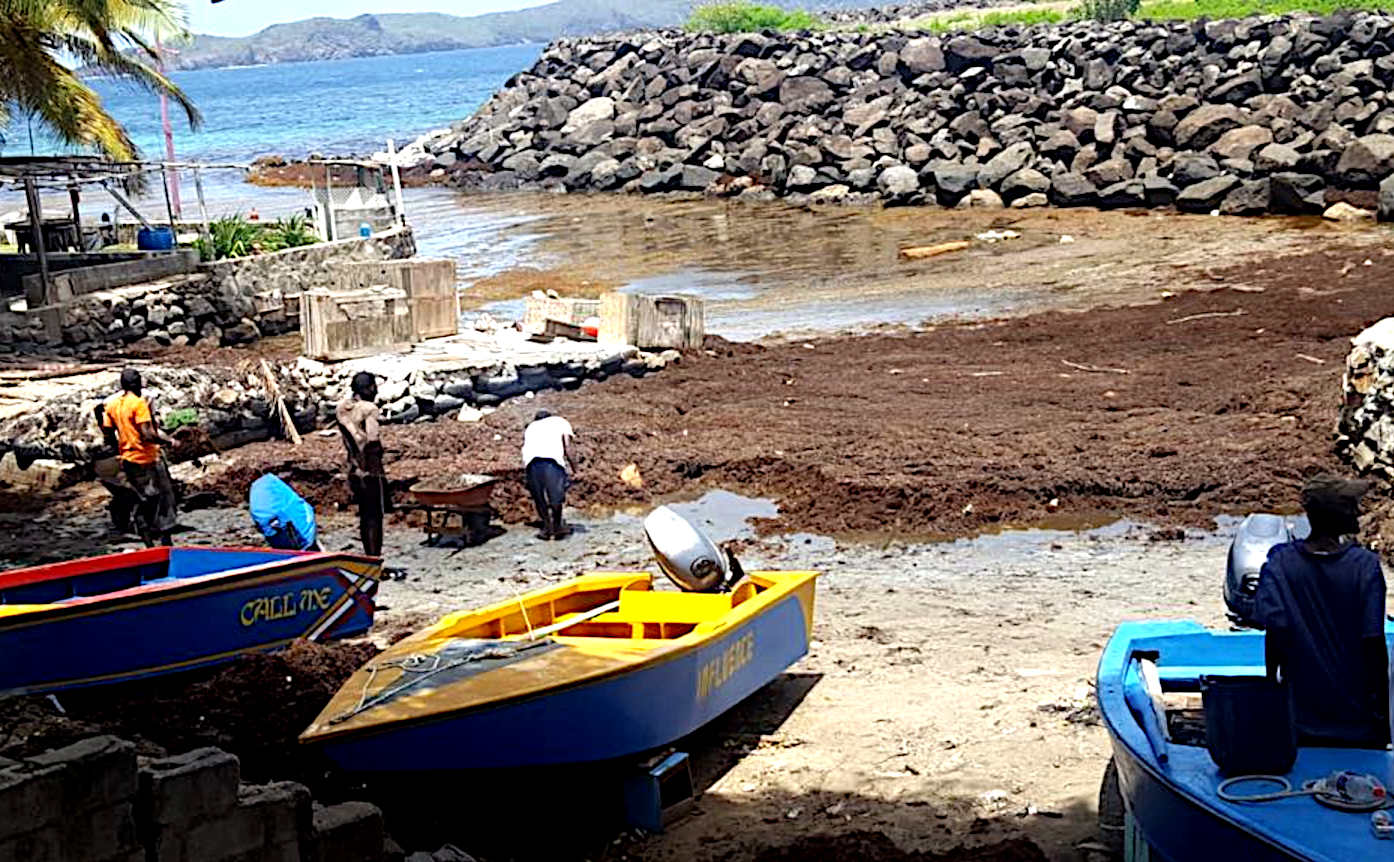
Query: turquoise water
(334,107)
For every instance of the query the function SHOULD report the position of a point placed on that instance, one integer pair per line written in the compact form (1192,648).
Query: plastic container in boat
(1249,726)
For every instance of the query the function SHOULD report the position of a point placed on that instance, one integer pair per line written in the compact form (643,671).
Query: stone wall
(1365,429)
(96,801)
(1280,114)
(226,302)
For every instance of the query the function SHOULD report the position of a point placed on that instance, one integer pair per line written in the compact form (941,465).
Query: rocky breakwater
(1365,429)
(1280,114)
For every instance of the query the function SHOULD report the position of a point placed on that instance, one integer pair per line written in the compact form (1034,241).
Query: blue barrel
(365,229)
(155,239)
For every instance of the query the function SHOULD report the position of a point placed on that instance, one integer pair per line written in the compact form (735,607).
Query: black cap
(1329,493)
(541,414)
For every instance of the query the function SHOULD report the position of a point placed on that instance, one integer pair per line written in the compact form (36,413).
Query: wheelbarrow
(457,509)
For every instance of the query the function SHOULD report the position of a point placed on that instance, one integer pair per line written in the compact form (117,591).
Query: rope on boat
(1328,791)
(418,667)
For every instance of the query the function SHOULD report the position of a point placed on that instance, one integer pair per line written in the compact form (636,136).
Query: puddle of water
(702,283)
(722,515)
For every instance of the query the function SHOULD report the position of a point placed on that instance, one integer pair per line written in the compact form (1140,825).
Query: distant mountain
(375,35)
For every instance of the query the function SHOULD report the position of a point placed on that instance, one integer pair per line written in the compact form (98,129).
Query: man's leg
(370,509)
(166,508)
(534,477)
(557,483)
(138,476)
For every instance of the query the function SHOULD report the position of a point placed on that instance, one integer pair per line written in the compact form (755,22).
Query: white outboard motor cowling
(1257,535)
(687,556)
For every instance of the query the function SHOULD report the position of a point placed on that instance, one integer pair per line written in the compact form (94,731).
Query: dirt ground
(945,705)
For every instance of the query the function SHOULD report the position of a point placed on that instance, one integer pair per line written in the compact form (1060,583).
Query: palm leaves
(39,38)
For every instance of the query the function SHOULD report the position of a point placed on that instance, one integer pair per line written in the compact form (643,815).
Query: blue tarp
(284,518)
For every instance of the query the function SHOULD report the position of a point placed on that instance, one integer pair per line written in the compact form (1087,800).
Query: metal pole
(202,207)
(120,199)
(329,226)
(396,181)
(36,225)
(73,198)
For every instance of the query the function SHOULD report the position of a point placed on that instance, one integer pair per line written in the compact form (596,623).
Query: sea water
(331,107)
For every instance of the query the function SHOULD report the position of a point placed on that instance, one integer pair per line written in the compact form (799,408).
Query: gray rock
(599,108)
(921,56)
(1205,195)
(696,178)
(1123,194)
(1026,181)
(1005,163)
(1109,172)
(1250,198)
(954,180)
(1296,193)
(1204,126)
(1069,189)
(1190,168)
(801,178)
(1386,199)
(1159,192)
(981,199)
(805,94)
(1241,142)
(1367,160)
(898,182)
(1275,157)
(1035,199)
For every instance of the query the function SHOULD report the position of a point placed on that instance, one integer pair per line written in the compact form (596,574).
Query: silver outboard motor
(687,556)
(1258,534)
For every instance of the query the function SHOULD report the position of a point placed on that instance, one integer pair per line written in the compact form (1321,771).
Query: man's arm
(1374,650)
(1272,616)
(108,430)
(148,434)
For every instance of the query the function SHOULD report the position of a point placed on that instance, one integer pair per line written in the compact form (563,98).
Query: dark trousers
(370,494)
(547,483)
(156,515)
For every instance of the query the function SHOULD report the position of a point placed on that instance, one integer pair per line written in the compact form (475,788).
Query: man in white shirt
(546,448)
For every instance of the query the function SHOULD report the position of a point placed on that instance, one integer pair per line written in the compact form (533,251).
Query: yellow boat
(599,667)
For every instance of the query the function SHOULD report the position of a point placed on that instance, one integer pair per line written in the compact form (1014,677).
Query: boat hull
(175,624)
(616,716)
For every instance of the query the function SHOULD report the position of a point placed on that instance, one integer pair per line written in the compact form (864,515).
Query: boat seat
(10,610)
(641,606)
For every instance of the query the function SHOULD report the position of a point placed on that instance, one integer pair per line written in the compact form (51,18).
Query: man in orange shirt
(129,427)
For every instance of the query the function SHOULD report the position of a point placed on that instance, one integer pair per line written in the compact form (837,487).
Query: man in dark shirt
(1321,602)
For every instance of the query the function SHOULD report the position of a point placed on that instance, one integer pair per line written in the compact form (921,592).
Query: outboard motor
(1258,534)
(687,556)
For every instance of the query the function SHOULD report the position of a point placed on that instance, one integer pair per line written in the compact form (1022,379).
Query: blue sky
(243,17)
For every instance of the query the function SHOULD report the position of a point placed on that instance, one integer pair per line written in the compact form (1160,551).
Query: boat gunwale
(1111,699)
(182,588)
(661,657)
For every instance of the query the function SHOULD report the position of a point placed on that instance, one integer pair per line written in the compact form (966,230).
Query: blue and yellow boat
(126,616)
(599,667)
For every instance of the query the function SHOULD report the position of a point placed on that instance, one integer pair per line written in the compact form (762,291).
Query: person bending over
(546,448)
(1321,603)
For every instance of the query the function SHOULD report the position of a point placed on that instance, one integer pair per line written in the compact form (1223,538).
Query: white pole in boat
(580,618)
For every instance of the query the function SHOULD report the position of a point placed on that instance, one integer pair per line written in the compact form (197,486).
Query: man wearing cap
(1321,603)
(546,447)
(129,427)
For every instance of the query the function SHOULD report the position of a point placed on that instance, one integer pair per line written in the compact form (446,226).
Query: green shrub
(749,17)
(176,419)
(229,236)
(288,232)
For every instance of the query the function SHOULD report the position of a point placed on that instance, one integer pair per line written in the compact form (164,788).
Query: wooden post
(36,225)
(329,228)
(396,181)
(202,207)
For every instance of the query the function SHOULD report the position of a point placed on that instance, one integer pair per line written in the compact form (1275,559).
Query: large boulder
(1367,161)
(1005,163)
(1250,198)
(921,56)
(1240,143)
(1025,182)
(1296,193)
(805,94)
(1069,189)
(898,183)
(1386,199)
(1204,126)
(599,108)
(1205,195)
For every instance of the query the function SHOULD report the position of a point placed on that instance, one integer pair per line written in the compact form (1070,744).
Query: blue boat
(1171,791)
(600,667)
(126,616)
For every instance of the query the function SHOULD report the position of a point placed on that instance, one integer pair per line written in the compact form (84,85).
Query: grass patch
(1163,10)
(748,18)
(960,21)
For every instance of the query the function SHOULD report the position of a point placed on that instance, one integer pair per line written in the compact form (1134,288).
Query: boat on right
(1178,804)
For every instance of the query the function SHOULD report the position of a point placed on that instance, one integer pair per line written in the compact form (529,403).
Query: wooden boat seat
(643,606)
(8,610)
(1182,677)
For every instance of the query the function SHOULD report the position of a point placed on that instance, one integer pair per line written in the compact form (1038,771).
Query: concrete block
(231,836)
(106,833)
(30,798)
(284,808)
(98,772)
(192,786)
(347,832)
